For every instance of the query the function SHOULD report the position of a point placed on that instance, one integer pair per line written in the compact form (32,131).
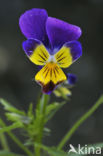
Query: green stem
(42,108)
(17,141)
(20,144)
(79,122)
(4,143)
(3,139)
(9,128)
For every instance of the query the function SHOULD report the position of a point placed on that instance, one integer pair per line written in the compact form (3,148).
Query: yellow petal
(50,76)
(40,55)
(64,57)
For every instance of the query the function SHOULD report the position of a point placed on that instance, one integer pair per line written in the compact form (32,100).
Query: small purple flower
(72,79)
(52,44)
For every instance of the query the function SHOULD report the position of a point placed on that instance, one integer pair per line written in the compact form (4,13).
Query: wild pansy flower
(52,44)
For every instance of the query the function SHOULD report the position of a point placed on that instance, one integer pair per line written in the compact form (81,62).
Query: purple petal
(75,49)
(29,45)
(48,89)
(72,79)
(60,32)
(32,24)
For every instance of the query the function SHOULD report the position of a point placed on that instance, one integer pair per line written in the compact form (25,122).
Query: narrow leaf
(52,109)
(11,127)
(10,108)
(30,110)
(14,117)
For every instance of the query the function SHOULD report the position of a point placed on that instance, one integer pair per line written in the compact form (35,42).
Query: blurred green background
(17,83)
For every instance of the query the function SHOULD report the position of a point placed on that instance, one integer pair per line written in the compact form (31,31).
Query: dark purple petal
(48,88)
(72,79)
(75,49)
(32,24)
(29,45)
(60,32)
(40,67)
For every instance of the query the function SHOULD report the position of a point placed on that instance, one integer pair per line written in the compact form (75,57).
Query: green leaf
(5,153)
(16,140)
(47,130)
(30,110)
(11,127)
(29,142)
(10,108)
(34,127)
(52,109)
(14,117)
(3,138)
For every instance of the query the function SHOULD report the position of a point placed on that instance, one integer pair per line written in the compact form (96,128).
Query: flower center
(52,59)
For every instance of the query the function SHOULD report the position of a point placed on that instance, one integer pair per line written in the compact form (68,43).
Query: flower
(64,90)
(52,44)
(72,79)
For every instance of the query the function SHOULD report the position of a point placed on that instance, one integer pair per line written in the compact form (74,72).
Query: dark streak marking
(40,61)
(43,53)
(45,69)
(51,72)
(56,68)
(61,63)
(54,73)
(59,82)
(47,73)
(61,59)
(42,57)
(60,55)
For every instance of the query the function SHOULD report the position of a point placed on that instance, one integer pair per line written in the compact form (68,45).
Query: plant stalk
(16,140)
(3,140)
(42,108)
(79,122)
